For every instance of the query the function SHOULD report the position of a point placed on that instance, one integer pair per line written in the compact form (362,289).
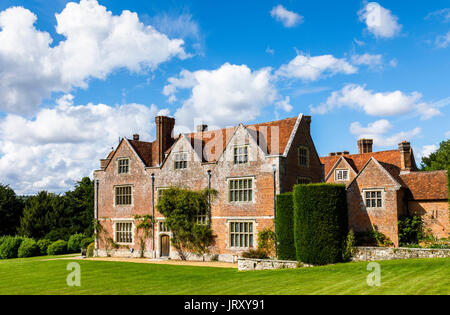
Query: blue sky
(378,69)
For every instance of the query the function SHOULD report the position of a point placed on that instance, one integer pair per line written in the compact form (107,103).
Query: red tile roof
(426,185)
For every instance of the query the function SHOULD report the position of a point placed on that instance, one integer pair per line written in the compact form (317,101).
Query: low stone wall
(387,253)
(246,264)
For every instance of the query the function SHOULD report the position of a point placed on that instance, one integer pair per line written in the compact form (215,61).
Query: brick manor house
(246,164)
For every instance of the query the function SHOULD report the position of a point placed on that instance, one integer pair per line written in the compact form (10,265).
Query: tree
(439,160)
(80,207)
(182,208)
(11,208)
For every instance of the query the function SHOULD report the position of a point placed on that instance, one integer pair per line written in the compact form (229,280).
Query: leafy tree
(80,207)
(439,160)
(181,208)
(11,208)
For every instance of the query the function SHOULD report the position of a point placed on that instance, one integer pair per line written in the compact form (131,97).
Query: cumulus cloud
(286,17)
(443,41)
(379,21)
(379,104)
(372,61)
(95,43)
(377,131)
(427,150)
(443,14)
(63,144)
(309,68)
(223,96)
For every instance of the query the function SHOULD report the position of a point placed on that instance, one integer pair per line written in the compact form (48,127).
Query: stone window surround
(299,178)
(383,203)
(342,170)
(177,159)
(237,146)
(307,155)
(118,165)
(132,195)
(115,221)
(158,189)
(228,233)
(253,178)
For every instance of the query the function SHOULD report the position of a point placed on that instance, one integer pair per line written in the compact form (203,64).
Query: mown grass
(36,276)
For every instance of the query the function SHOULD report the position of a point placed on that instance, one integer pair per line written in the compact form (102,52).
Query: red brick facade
(270,145)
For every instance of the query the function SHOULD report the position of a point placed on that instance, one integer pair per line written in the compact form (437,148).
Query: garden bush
(285,227)
(10,247)
(28,248)
(410,230)
(86,241)
(43,244)
(255,253)
(320,223)
(57,248)
(74,243)
(90,250)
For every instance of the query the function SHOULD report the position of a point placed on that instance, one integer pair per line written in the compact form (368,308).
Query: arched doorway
(165,245)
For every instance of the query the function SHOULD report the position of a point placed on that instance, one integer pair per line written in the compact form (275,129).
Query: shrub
(266,241)
(57,248)
(372,238)
(255,253)
(349,243)
(410,230)
(10,247)
(90,250)
(28,248)
(86,241)
(320,223)
(285,226)
(74,243)
(43,244)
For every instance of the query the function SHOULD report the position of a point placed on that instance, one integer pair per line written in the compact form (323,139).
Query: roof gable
(380,166)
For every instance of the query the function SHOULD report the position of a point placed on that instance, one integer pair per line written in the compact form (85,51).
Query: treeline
(47,215)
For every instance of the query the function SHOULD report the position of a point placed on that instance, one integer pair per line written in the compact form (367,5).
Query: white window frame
(342,171)
(132,231)
(307,156)
(158,190)
(182,159)
(240,158)
(131,195)
(232,234)
(252,190)
(119,166)
(379,195)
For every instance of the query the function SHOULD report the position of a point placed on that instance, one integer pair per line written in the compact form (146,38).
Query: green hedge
(57,248)
(10,247)
(320,223)
(43,244)
(28,248)
(285,227)
(74,243)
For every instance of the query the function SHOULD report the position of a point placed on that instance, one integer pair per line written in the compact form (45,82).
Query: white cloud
(372,61)
(309,68)
(443,14)
(427,150)
(65,143)
(379,104)
(377,131)
(443,41)
(182,25)
(379,21)
(96,43)
(288,18)
(223,96)
(285,104)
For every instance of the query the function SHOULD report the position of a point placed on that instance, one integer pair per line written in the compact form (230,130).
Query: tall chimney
(201,128)
(365,145)
(308,122)
(405,156)
(164,129)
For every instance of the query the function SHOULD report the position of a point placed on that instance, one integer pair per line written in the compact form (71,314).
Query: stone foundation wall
(247,264)
(387,253)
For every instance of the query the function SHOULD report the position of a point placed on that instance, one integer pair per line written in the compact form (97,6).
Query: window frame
(251,190)
(300,147)
(116,231)
(343,179)
(235,237)
(116,196)
(376,198)
(177,161)
(237,154)
(127,166)
(158,190)
(303,178)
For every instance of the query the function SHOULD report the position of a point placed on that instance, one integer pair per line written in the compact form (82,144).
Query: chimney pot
(136,137)
(365,145)
(406,156)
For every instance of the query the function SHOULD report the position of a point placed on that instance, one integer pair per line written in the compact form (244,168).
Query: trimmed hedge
(28,248)
(43,244)
(10,247)
(320,223)
(90,250)
(57,248)
(285,227)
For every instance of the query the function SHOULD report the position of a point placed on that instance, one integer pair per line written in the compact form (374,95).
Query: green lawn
(34,276)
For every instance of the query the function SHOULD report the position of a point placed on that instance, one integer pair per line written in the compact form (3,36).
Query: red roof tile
(426,185)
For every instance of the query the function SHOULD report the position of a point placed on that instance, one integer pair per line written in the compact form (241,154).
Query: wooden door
(165,245)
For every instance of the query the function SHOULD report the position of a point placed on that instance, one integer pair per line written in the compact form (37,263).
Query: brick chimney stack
(405,156)
(164,129)
(202,128)
(365,145)
(136,137)
(308,122)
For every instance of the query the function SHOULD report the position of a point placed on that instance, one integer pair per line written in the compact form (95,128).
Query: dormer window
(180,160)
(241,154)
(123,166)
(303,156)
(341,175)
